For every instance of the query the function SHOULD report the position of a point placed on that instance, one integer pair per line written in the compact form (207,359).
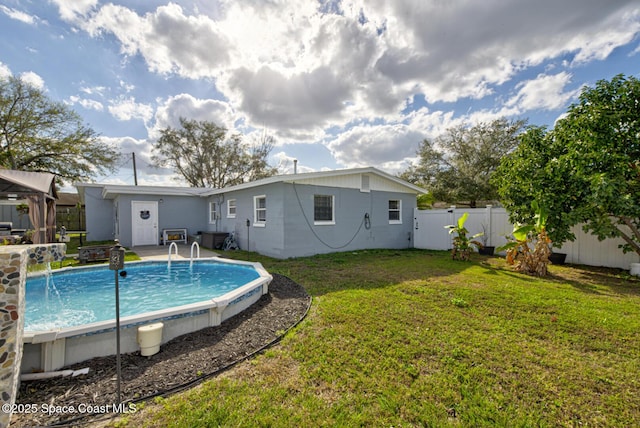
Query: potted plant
(530,247)
(462,244)
(485,249)
(557,258)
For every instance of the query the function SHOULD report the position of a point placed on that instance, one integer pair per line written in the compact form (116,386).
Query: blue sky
(338,84)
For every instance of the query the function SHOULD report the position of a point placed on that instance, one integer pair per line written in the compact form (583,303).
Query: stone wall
(13,272)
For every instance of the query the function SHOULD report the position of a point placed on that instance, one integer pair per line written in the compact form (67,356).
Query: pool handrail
(195,243)
(173,245)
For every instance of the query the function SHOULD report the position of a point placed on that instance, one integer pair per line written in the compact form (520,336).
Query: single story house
(282,216)
(137,215)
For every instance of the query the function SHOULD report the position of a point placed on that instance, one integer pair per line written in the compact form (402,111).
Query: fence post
(452,213)
(487,217)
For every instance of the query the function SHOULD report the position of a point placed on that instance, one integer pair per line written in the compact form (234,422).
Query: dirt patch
(186,359)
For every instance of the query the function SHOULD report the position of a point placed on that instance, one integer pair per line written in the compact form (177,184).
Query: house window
(213,212)
(323,212)
(259,210)
(395,211)
(231,208)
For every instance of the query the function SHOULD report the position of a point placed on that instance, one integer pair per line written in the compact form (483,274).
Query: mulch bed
(185,359)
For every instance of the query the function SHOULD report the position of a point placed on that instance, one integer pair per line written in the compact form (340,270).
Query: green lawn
(411,338)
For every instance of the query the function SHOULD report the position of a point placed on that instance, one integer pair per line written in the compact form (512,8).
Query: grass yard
(411,338)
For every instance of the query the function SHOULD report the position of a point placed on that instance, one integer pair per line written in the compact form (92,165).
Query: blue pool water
(81,296)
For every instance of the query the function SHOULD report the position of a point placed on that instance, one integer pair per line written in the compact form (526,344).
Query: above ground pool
(71,298)
(70,313)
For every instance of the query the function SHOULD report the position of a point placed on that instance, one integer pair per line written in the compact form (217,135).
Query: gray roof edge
(119,189)
(311,175)
(113,189)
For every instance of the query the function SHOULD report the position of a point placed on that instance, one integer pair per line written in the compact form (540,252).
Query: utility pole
(135,171)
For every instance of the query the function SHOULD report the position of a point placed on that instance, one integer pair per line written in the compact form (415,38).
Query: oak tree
(41,135)
(206,156)
(456,167)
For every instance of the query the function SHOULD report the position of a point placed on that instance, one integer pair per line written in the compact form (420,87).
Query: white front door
(144,223)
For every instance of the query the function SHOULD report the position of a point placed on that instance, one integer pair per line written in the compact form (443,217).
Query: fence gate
(429,228)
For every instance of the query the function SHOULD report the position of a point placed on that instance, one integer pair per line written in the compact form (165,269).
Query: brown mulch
(186,359)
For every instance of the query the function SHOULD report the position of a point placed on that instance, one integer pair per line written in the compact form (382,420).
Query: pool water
(86,295)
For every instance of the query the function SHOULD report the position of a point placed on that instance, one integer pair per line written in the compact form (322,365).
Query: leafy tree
(425,201)
(532,173)
(586,170)
(457,166)
(38,134)
(202,153)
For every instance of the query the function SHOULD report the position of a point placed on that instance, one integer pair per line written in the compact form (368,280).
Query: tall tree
(202,153)
(456,167)
(532,173)
(38,134)
(588,166)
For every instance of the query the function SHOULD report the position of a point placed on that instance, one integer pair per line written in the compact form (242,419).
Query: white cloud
(168,40)
(127,109)
(307,74)
(128,145)
(184,105)
(545,92)
(87,103)
(148,174)
(91,104)
(74,10)
(32,79)
(289,66)
(432,124)
(5,71)
(464,49)
(287,164)
(18,15)
(391,145)
(270,97)
(381,145)
(96,90)
(610,33)
(127,87)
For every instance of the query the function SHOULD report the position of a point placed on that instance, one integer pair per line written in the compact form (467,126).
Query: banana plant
(529,249)
(462,244)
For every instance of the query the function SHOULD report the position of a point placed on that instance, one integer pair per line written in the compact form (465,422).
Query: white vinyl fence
(430,234)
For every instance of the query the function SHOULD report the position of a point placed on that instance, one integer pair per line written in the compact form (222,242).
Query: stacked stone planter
(13,272)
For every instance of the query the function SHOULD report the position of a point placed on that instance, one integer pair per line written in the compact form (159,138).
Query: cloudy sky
(338,84)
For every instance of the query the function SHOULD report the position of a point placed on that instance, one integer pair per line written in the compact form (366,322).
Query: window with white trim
(213,212)
(395,211)
(323,209)
(231,208)
(259,210)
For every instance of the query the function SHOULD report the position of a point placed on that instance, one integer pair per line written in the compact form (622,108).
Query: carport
(39,189)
